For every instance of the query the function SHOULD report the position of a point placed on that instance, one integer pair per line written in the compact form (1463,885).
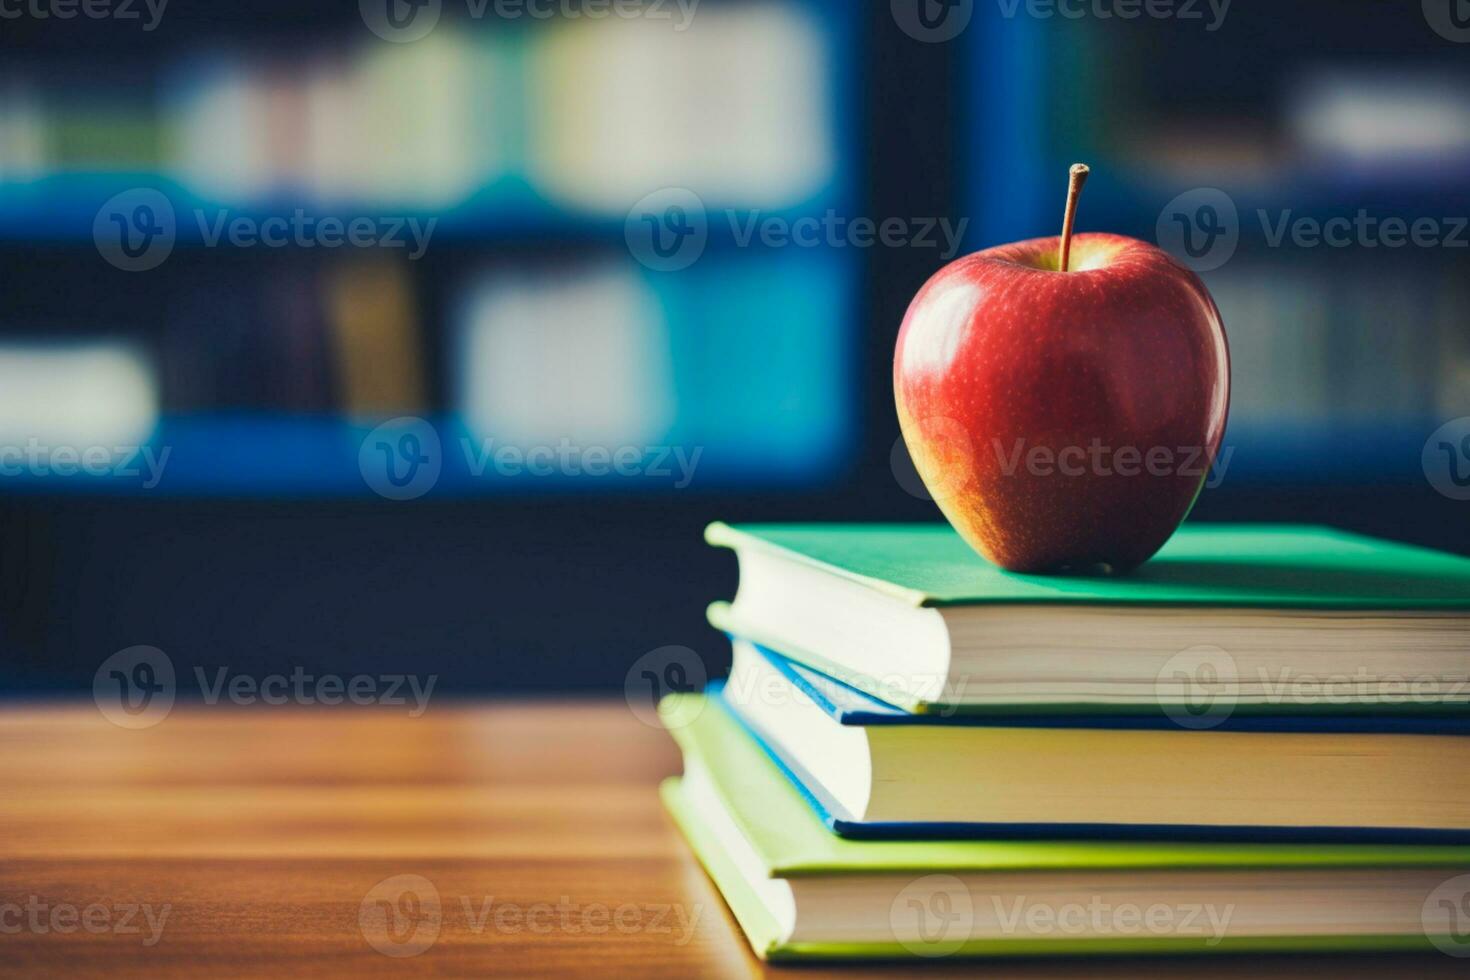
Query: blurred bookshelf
(527,142)
(527,319)
(263,368)
(1344,359)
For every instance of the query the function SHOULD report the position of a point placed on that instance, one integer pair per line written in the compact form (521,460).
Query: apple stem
(1077,176)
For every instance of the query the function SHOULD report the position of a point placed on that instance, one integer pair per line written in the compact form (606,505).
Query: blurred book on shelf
(1347,350)
(1311,344)
(529,141)
(747,121)
(526,141)
(579,111)
(376,340)
(1375,122)
(73,394)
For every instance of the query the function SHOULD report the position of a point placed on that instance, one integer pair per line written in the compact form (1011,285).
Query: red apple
(1063,420)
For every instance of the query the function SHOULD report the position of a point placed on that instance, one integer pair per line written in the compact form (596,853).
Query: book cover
(839,822)
(1266,566)
(1306,570)
(848,705)
(792,840)
(789,841)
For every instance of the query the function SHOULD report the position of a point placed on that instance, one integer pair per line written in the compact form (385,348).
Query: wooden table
(312,842)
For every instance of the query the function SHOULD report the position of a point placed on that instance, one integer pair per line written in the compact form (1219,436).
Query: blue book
(872,770)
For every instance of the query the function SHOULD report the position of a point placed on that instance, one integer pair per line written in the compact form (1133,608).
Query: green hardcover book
(1280,619)
(800,892)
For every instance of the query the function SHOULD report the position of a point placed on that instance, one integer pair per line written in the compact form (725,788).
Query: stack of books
(1258,741)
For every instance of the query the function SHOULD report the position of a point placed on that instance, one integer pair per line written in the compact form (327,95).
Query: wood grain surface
(481,839)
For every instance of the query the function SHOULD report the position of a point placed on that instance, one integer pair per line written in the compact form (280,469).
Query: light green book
(799,892)
(1281,619)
